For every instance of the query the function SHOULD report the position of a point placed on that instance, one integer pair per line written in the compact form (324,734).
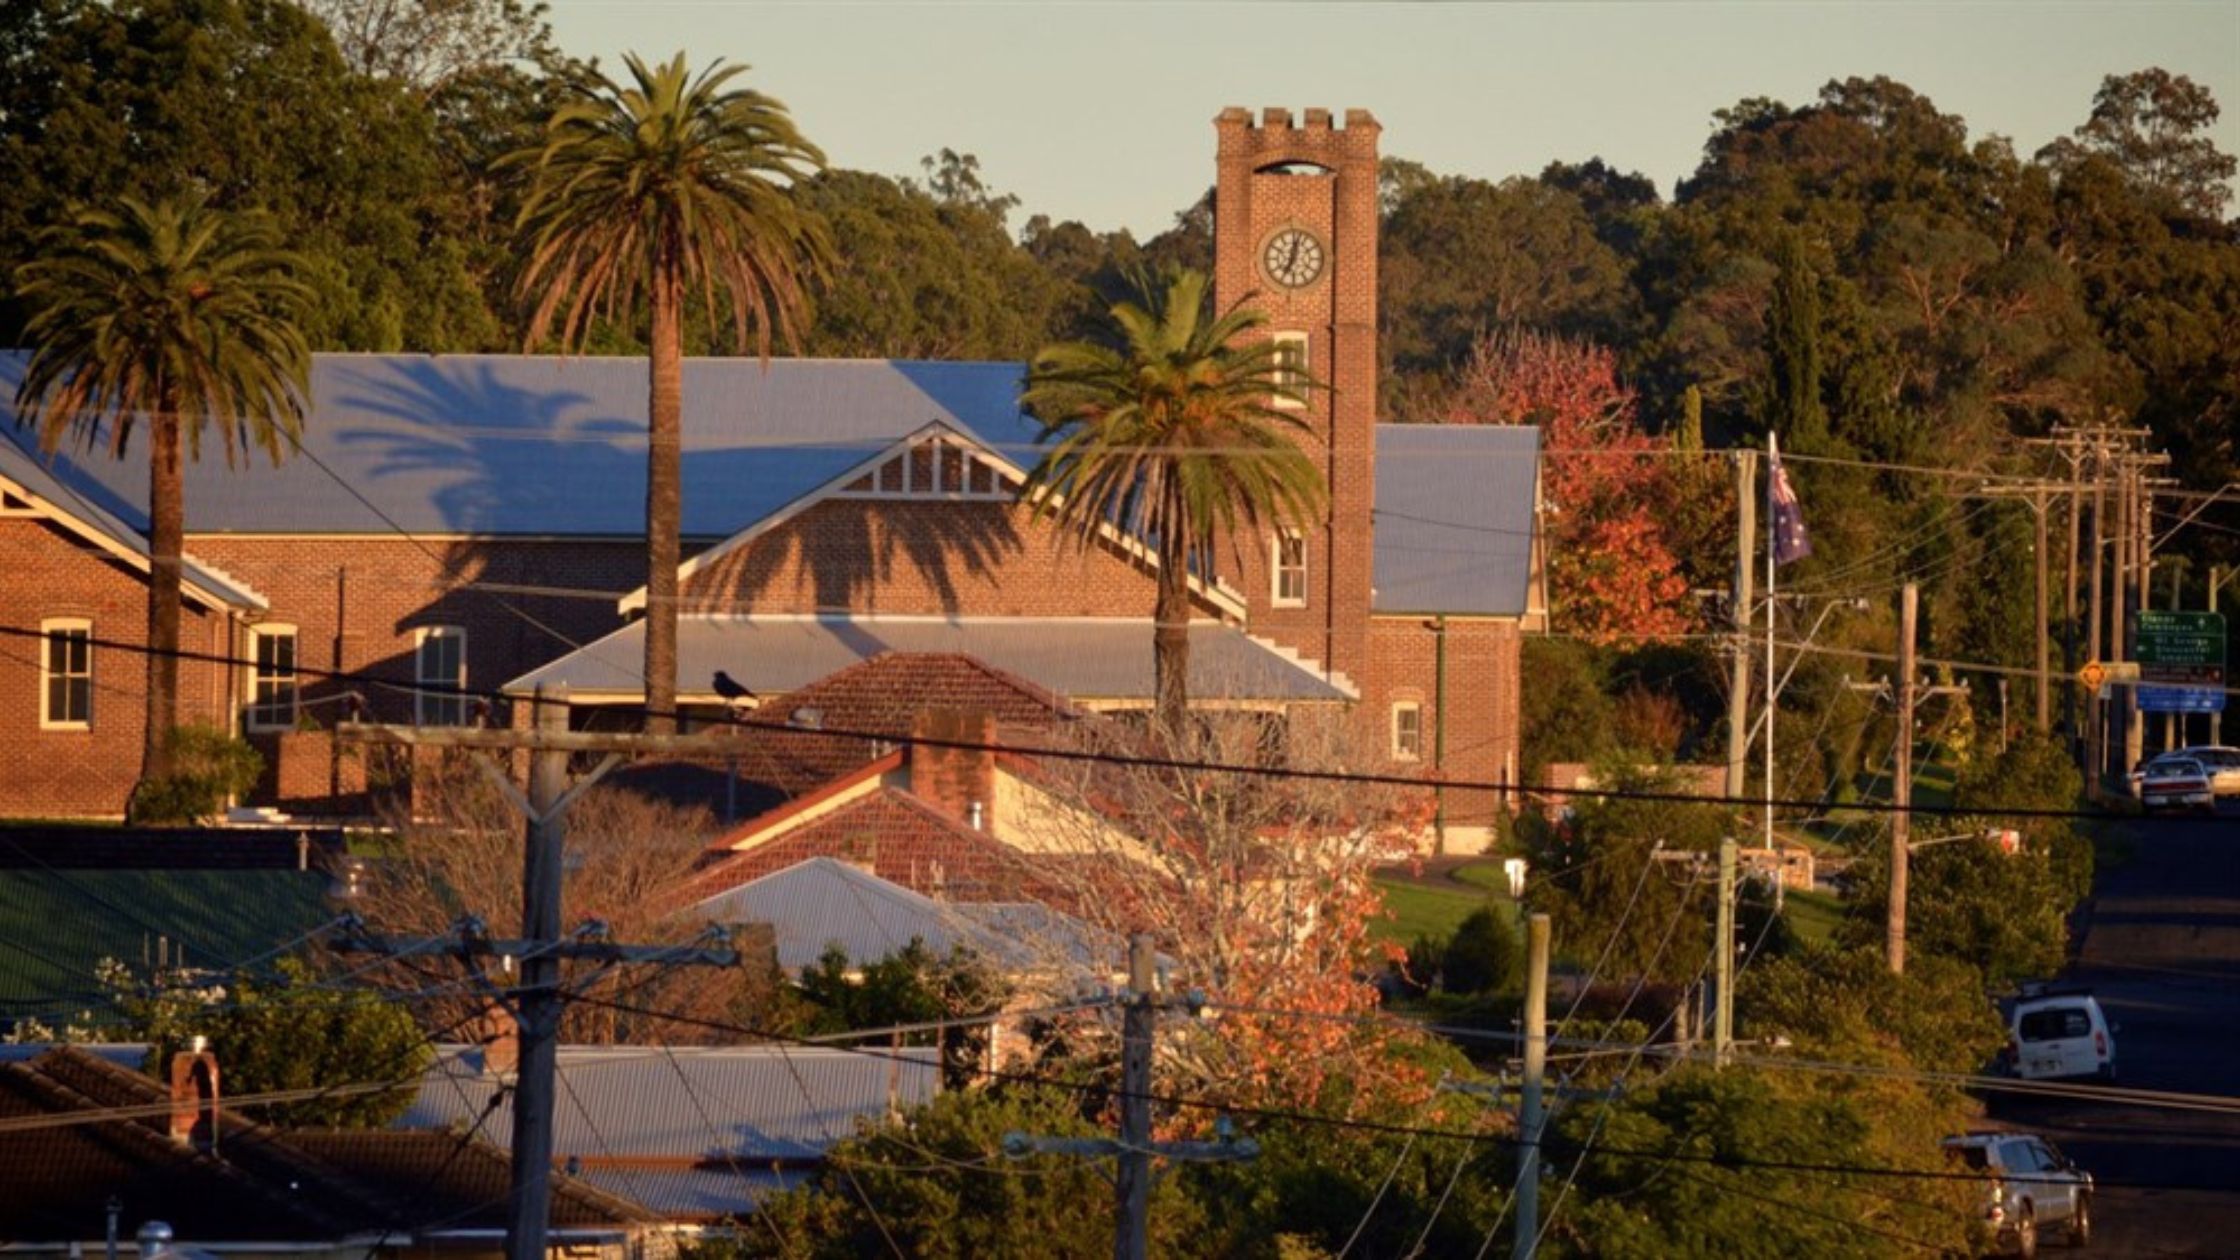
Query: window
(2056,1023)
(272,678)
(1292,371)
(66,674)
(1407,731)
(440,659)
(1288,565)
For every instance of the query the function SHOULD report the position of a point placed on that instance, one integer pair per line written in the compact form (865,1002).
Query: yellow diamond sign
(2092,675)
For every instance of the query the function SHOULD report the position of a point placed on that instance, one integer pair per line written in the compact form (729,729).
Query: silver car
(2032,1188)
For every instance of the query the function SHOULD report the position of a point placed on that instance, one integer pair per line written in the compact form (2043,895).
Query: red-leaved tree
(1612,570)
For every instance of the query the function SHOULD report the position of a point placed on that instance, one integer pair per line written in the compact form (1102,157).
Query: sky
(1103,112)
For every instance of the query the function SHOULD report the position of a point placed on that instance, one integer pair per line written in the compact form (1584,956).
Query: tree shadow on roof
(498,452)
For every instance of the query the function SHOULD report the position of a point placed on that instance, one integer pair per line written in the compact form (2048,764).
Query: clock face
(1292,258)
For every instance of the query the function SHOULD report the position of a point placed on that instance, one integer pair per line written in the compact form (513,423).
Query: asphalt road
(2161,950)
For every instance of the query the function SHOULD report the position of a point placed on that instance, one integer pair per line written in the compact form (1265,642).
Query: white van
(2054,1032)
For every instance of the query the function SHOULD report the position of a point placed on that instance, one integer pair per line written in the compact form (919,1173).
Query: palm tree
(181,317)
(1172,426)
(647,191)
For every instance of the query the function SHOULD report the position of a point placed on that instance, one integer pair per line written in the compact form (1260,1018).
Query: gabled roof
(822,901)
(262,1185)
(1457,505)
(877,701)
(25,476)
(902,838)
(550,446)
(1091,660)
(887,471)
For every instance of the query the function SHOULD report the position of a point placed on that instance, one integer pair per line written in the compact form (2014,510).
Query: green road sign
(2179,648)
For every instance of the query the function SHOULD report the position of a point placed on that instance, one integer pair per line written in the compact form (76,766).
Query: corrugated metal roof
(693,1194)
(822,902)
(547,445)
(21,463)
(1084,658)
(1454,518)
(762,1103)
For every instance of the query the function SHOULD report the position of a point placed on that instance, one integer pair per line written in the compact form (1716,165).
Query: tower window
(272,679)
(1292,369)
(1288,570)
(1407,731)
(66,669)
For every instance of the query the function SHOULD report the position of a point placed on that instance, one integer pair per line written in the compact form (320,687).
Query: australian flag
(1789,539)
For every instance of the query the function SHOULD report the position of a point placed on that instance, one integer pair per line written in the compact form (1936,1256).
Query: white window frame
(1401,751)
(48,629)
(438,708)
(1290,369)
(1277,569)
(260,714)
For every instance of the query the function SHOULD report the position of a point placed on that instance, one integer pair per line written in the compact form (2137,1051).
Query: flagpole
(1773,466)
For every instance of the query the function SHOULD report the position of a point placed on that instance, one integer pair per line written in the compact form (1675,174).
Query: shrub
(208,769)
(1482,954)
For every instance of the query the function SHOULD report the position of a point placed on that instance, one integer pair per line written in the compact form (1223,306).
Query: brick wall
(69,773)
(1482,680)
(902,557)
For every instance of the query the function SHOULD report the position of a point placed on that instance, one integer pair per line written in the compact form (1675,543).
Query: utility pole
(1738,670)
(2043,709)
(537,1001)
(1132,1154)
(2094,734)
(1902,785)
(2142,574)
(2216,715)
(1722,954)
(1132,1182)
(2035,495)
(1531,1118)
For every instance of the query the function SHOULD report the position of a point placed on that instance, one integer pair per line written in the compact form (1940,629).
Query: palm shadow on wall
(495,458)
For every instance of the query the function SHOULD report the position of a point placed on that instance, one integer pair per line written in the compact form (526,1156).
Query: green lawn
(1814,915)
(1418,910)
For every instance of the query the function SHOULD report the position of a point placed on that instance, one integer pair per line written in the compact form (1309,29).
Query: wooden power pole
(538,1000)
(1133,1152)
(1132,1183)
(1531,1112)
(1901,821)
(1738,668)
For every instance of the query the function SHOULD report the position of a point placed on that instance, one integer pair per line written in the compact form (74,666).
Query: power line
(1242,769)
(1360,1124)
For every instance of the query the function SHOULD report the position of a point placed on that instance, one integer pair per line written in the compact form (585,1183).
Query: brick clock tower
(1295,235)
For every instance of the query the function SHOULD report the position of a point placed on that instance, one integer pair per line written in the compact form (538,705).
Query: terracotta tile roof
(261,1184)
(903,840)
(876,700)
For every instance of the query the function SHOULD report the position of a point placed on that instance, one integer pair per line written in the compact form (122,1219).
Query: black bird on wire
(731,689)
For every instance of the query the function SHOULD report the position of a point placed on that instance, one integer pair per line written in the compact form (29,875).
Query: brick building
(473,522)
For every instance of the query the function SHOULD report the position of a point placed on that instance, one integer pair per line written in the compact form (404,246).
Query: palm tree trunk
(166,540)
(664,496)
(1170,644)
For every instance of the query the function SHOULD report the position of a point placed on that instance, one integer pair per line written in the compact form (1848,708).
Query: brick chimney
(501,1042)
(960,782)
(194,1097)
